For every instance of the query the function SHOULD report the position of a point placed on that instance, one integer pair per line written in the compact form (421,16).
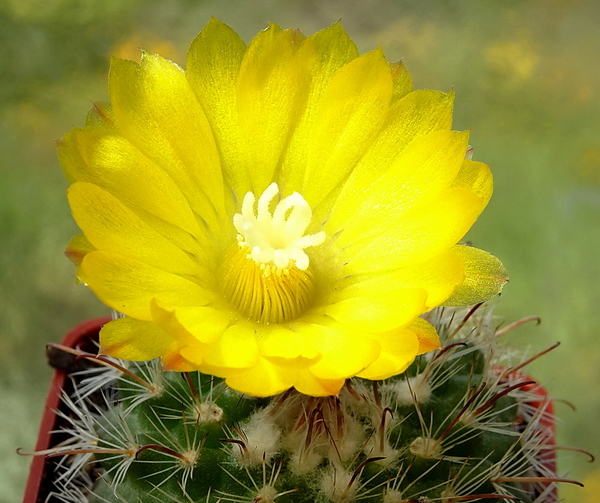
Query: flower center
(266,273)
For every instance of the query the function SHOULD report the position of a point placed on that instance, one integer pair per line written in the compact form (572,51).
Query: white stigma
(277,239)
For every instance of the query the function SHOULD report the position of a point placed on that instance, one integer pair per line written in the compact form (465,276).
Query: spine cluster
(462,424)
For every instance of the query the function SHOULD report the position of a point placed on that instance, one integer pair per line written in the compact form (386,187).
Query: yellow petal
(264,379)
(78,247)
(420,235)
(191,324)
(429,339)
(235,348)
(157,111)
(72,163)
(477,177)
(129,286)
(334,49)
(270,91)
(213,65)
(344,351)
(111,226)
(439,277)
(418,114)
(100,156)
(398,350)
(323,54)
(401,80)
(177,363)
(351,112)
(427,166)
(484,277)
(365,308)
(284,342)
(309,384)
(136,340)
(193,354)
(101,114)
(235,351)
(175,109)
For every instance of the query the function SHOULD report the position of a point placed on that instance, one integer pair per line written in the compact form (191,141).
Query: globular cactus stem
(461,424)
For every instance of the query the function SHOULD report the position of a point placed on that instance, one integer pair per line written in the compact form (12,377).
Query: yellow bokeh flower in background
(278,214)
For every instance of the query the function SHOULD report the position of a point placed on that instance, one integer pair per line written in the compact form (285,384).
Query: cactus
(461,424)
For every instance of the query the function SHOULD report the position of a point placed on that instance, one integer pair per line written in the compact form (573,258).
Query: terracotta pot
(82,336)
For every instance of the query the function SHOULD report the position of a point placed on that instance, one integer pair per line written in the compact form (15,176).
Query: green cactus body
(443,431)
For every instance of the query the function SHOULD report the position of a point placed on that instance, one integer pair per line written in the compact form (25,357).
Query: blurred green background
(527,81)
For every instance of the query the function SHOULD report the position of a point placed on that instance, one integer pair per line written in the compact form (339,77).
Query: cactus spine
(459,425)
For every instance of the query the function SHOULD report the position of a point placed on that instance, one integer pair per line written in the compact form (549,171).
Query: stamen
(267,298)
(266,273)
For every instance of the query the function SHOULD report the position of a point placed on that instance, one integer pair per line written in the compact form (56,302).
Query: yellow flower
(279,214)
